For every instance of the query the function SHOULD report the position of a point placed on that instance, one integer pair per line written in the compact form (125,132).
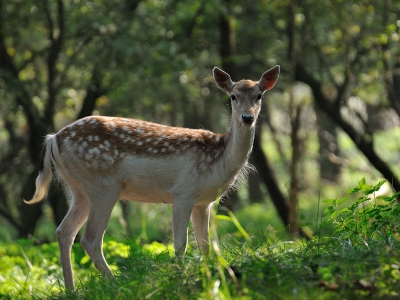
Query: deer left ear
(269,78)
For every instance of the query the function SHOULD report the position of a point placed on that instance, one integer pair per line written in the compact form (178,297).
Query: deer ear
(222,79)
(269,78)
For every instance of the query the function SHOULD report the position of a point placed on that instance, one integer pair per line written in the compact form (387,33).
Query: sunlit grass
(354,254)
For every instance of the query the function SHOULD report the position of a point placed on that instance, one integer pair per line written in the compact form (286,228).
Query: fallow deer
(103,159)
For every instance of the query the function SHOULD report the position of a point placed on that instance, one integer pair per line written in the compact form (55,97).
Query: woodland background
(332,119)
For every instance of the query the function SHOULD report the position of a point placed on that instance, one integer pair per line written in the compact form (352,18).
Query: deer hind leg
(92,239)
(67,231)
(201,219)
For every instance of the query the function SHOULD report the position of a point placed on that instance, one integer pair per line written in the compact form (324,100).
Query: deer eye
(233,98)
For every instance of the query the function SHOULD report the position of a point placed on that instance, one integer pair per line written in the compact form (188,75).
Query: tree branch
(363,142)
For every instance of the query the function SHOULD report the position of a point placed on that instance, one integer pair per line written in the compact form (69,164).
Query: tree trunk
(227,50)
(329,152)
(254,186)
(268,177)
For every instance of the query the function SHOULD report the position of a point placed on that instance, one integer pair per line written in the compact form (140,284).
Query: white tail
(103,159)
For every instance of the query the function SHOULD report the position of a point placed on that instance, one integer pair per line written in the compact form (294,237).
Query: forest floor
(354,255)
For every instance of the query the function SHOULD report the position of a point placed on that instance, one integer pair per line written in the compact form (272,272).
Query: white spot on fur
(96,138)
(122,136)
(90,138)
(107,158)
(140,143)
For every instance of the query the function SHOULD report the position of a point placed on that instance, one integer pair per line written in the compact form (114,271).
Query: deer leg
(180,222)
(92,239)
(201,219)
(67,231)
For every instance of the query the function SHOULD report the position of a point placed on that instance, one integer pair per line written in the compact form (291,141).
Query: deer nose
(247,118)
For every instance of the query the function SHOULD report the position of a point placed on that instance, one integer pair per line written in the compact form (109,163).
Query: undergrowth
(353,255)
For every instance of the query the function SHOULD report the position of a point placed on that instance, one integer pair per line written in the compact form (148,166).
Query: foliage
(368,218)
(359,260)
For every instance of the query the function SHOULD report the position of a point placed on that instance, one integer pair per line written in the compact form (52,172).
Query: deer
(102,159)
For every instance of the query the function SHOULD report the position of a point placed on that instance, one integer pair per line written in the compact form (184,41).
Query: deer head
(246,95)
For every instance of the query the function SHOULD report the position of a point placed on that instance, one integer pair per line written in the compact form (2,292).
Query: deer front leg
(180,222)
(201,219)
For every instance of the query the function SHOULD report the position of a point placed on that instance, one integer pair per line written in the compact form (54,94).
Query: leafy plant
(368,217)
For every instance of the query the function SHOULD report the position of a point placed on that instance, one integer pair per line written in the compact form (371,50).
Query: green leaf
(367,189)
(379,185)
(328,210)
(329,201)
(354,190)
(342,200)
(334,214)
(344,210)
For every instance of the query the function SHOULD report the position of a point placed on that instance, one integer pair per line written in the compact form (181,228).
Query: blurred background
(332,119)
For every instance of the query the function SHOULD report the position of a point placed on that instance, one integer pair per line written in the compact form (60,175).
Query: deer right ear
(222,79)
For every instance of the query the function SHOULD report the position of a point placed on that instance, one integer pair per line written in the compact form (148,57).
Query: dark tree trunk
(329,152)
(254,185)
(227,50)
(267,175)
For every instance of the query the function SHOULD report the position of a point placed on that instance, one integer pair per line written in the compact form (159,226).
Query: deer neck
(239,143)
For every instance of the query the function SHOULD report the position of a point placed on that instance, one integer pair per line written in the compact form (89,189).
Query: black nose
(247,118)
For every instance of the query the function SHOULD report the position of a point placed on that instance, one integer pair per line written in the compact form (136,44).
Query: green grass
(354,255)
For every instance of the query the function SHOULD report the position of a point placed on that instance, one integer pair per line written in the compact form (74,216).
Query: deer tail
(45,173)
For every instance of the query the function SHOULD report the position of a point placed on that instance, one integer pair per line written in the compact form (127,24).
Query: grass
(354,255)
